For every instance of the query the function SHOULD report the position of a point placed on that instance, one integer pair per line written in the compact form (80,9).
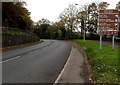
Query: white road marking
(30,52)
(10,59)
(33,51)
(18,56)
(36,51)
(59,76)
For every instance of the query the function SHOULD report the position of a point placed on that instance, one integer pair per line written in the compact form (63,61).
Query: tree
(82,21)
(15,15)
(118,5)
(93,14)
(60,29)
(103,5)
(84,16)
(43,21)
(43,28)
(68,17)
(93,11)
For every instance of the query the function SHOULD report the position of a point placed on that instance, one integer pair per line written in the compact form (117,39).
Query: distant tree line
(57,30)
(74,22)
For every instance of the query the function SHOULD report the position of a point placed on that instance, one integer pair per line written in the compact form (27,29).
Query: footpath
(76,68)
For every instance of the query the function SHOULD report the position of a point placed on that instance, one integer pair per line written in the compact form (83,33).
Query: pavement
(75,69)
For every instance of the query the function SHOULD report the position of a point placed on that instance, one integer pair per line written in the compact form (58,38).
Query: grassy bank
(104,63)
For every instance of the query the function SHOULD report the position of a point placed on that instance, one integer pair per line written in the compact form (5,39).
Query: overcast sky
(50,9)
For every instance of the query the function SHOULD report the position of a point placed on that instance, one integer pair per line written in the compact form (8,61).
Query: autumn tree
(118,5)
(89,17)
(103,5)
(42,28)
(61,31)
(93,12)
(93,16)
(15,15)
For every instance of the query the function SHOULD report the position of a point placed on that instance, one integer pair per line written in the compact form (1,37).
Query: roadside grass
(104,63)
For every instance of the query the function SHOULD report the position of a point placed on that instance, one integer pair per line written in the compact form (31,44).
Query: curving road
(40,63)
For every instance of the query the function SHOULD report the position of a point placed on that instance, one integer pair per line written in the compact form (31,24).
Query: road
(40,63)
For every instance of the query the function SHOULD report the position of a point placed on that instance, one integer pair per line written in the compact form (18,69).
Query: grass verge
(104,63)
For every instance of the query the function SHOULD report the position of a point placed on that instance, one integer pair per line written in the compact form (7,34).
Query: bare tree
(68,16)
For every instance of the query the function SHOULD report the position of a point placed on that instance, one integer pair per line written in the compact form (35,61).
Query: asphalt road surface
(40,63)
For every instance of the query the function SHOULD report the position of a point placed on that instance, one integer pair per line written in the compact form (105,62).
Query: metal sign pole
(108,17)
(113,42)
(100,41)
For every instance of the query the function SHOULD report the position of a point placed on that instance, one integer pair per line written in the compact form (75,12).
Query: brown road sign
(108,22)
(109,11)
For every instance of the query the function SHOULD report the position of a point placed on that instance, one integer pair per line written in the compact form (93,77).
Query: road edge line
(59,76)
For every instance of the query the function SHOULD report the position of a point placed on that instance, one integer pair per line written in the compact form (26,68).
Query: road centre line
(27,53)
(36,51)
(30,52)
(10,59)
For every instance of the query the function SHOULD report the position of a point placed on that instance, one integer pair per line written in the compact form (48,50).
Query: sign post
(113,42)
(100,42)
(108,24)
